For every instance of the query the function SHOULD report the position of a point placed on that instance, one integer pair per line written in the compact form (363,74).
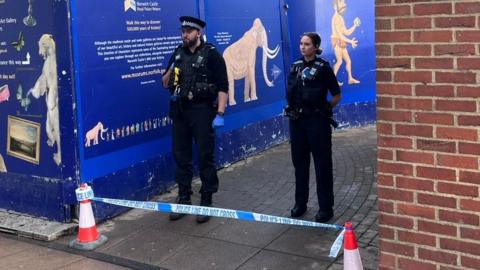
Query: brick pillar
(428,133)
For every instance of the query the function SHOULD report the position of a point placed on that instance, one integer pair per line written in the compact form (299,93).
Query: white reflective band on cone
(352,260)
(86,217)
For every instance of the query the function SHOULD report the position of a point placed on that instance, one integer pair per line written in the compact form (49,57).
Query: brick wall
(428,60)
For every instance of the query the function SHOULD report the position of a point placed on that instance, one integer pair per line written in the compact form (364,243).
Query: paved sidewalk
(264,184)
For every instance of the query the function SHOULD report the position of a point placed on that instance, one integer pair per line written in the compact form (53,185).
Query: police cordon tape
(86,193)
(223,213)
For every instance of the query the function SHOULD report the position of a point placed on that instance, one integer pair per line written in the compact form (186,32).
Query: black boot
(206,200)
(180,200)
(324,216)
(298,210)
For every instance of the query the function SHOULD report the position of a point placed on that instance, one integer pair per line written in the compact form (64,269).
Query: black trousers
(312,134)
(194,124)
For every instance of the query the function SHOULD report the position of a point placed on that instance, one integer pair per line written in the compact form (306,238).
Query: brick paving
(263,183)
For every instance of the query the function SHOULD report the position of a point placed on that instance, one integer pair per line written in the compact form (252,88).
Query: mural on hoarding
(47,85)
(92,135)
(29,90)
(250,40)
(240,58)
(3,167)
(23,140)
(4,93)
(122,107)
(119,65)
(30,20)
(347,29)
(340,40)
(18,44)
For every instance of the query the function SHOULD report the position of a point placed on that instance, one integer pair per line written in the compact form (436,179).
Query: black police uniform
(310,128)
(195,81)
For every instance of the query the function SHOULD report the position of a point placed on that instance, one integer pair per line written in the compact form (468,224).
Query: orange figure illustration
(340,41)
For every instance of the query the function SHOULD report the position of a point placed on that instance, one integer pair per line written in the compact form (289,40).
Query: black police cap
(192,22)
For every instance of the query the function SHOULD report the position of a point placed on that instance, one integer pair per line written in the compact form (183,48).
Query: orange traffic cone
(88,236)
(351,255)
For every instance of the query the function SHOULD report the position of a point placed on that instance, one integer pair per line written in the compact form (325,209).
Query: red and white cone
(88,236)
(351,255)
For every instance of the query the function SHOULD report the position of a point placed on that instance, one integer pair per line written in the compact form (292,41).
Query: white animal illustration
(47,85)
(3,168)
(92,134)
(240,60)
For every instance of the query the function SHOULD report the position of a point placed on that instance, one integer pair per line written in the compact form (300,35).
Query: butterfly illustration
(20,43)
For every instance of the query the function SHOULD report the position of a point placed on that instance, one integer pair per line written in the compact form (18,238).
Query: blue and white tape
(84,193)
(226,213)
(337,245)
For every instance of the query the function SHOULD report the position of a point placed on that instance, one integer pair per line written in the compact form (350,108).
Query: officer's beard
(190,43)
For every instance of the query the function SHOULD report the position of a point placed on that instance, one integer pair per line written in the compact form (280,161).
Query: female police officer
(310,114)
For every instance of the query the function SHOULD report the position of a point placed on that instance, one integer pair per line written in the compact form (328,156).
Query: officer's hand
(218,121)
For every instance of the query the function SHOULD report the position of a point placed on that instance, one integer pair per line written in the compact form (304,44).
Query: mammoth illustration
(240,60)
(92,134)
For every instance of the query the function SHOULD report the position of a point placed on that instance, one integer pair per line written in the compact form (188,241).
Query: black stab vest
(307,92)
(193,80)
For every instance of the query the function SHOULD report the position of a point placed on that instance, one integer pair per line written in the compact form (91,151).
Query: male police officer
(197,79)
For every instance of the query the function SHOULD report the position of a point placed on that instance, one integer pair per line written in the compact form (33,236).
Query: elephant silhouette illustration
(240,60)
(92,134)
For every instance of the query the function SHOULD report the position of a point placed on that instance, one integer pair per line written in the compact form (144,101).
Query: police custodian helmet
(192,22)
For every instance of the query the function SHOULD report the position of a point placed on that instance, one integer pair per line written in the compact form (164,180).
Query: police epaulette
(298,62)
(176,52)
(209,45)
(318,63)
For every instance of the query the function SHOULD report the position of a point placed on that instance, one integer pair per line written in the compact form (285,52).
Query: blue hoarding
(347,29)
(120,50)
(111,120)
(250,40)
(30,141)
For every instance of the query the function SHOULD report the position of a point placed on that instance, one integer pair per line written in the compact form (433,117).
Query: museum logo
(130,4)
(142,5)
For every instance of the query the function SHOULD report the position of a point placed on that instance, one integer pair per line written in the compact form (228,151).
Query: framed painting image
(23,139)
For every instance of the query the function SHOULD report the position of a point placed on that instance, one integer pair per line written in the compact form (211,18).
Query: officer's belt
(309,110)
(196,103)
